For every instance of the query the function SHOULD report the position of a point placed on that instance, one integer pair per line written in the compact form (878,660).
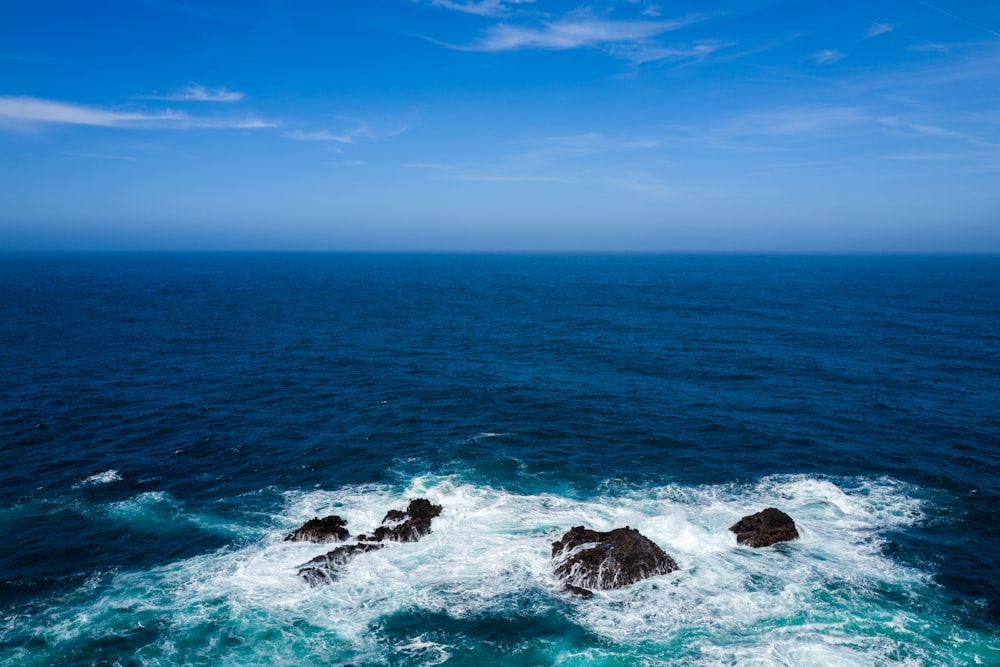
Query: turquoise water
(170,418)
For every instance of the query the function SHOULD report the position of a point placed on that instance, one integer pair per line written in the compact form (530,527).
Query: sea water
(166,419)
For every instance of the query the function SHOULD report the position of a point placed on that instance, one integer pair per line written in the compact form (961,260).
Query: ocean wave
(482,582)
(106,477)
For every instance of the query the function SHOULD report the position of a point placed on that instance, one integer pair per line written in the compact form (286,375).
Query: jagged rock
(324,569)
(591,559)
(765,528)
(576,590)
(397,526)
(408,526)
(327,529)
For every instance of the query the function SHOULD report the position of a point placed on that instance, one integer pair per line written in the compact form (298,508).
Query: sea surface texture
(166,419)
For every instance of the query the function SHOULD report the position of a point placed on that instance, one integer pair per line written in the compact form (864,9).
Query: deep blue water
(165,419)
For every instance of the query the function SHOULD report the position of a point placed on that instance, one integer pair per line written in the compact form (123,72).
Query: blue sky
(654,125)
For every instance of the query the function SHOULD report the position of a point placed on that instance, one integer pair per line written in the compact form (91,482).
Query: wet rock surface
(765,528)
(576,590)
(397,526)
(324,569)
(586,559)
(328,529)
(406,526)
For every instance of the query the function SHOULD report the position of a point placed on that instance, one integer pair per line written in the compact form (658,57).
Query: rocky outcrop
(765,528)
(324,569)
(327,529)
(587,559)
(397,526)
(408,526)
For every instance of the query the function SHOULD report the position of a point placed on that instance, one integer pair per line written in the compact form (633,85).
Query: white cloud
(923,129)
(878,29)
(36,110)
(321,135)
(643,53)
(480,8)
(794,122)
(49,111)
(198,93)
(930,46)
(573,33)
(827,56)
(362,131)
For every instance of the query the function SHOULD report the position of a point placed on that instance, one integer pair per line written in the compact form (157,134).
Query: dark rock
(623,556)
(327,529)
(324,569)
(408,526)
(765,528)
(397,526)
(576,590)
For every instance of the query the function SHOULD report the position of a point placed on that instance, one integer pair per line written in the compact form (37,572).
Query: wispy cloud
(198,93)
(643,52)
(922,129)
(960,19)
(779,129)
(930,46)
(826,56)
(36,110)
(480,8)
(50,111)
(812,121)
(322,136)
(572,33)
(878,29)
(361,131)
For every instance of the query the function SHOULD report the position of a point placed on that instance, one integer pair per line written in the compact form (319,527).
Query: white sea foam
(154,510)
(831,597)
(105,477)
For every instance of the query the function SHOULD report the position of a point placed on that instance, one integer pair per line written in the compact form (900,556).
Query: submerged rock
(576,590)
(327,529)
(408,526)
(765,528)
(324,569)
(590,559)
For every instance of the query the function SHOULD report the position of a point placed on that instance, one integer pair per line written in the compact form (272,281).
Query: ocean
(166,419)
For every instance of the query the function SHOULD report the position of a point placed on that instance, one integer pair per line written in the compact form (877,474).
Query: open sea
(166,419)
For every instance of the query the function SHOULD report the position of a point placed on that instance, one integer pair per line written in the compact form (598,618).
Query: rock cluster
(765,528)
(397,526)
(582,559)
(408,526)
(586,559)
